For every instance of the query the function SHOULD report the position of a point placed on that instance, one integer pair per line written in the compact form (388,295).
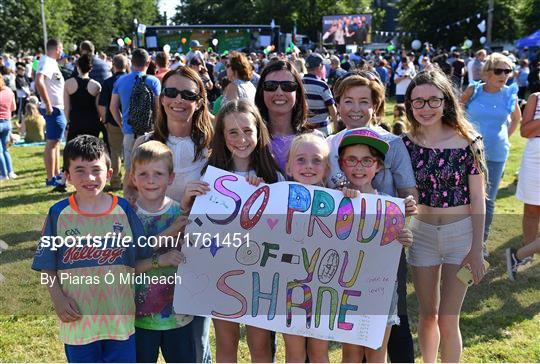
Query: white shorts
(528,188)
(440,244)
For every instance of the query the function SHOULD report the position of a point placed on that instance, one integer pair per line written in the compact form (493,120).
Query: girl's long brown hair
(202,131)
(261,159)
(453,113)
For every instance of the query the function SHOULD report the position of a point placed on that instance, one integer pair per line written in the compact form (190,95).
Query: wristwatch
(155,260)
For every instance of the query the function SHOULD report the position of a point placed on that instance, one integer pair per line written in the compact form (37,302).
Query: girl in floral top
(449,167)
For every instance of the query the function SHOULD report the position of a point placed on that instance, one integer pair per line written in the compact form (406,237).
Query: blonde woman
(490,104)
(33,124)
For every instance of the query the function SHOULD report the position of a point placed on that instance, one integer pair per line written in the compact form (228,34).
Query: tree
(424,17)
(57,13)
(529,13)
(307,13)
(71,21)
(21,23)
(126,11)
(92,20)
(215,12)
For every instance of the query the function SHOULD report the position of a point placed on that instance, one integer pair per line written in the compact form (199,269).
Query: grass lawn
(500,319)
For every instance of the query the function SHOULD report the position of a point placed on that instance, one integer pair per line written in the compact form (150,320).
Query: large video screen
(346,29)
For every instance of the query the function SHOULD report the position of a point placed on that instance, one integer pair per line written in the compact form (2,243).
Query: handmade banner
(291,258)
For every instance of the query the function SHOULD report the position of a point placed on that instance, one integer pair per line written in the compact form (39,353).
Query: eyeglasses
(353,162)
(187,95)
(433,102)
(287,86)
(500,71)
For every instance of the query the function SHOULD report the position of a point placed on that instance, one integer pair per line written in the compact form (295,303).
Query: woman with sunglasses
(183,123)
(281,99)
(489,105)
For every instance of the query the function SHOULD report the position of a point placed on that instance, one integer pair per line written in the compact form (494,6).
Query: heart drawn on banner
(272,223)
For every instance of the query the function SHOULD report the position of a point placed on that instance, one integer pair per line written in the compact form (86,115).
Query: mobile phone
(465,274)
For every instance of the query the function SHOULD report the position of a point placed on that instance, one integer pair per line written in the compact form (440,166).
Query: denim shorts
(440,244)
(55,124)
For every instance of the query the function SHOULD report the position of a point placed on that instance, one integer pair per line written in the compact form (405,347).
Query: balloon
(416,44)
(215,42)
(73,47)
(129,42)
(166,48)
(184,40)
(390,48)
(210,50)
(126,40)
(468,44)
(120,42)
(483,40)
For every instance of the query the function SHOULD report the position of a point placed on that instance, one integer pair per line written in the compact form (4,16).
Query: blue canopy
(532,40)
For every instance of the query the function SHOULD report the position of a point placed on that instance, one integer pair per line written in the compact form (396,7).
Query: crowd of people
(316,119)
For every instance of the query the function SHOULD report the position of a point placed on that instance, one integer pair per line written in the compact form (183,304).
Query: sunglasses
(187,95)
(351,162)
(500,71)
(287,86)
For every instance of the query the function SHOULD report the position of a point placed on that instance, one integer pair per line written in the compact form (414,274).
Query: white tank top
(245,89)
(183,150)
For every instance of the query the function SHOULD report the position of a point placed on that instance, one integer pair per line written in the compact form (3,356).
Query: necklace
(436,144)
